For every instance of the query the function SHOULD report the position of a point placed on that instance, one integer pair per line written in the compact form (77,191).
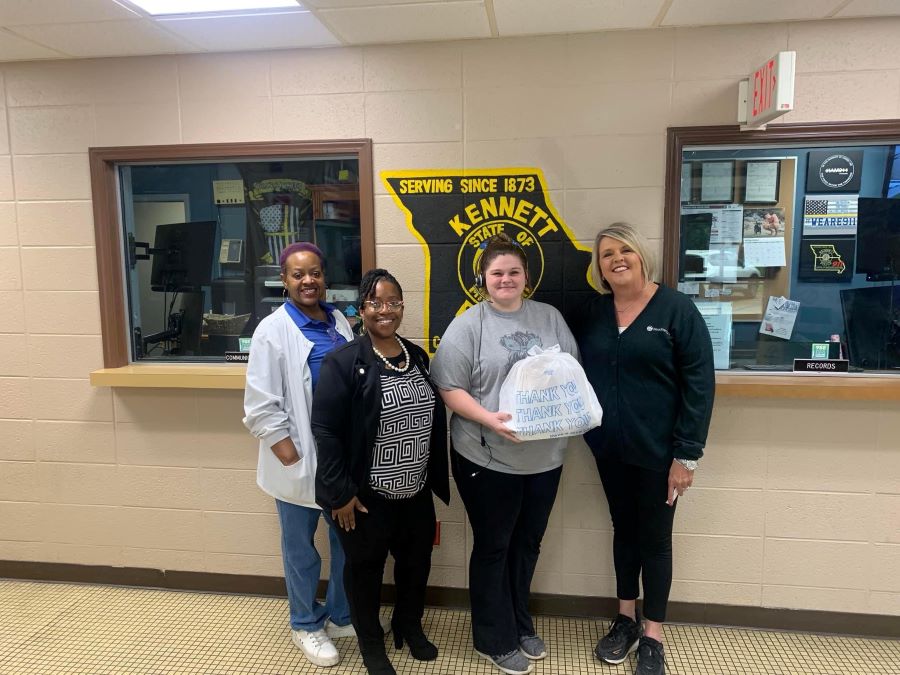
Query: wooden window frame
(107,212)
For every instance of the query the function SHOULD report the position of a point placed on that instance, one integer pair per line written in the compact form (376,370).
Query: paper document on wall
(764,252)
(727,222)
(718,316)
(779,319)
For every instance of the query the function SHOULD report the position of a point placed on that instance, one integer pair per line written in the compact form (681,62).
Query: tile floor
(71,629)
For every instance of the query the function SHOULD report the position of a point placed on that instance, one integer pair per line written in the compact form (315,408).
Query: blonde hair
(627,234)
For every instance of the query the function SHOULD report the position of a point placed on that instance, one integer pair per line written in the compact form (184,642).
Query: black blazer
(346,413)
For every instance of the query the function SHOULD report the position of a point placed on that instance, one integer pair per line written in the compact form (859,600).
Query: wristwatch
(689,464)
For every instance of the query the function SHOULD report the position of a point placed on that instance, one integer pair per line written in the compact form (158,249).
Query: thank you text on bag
(548,396)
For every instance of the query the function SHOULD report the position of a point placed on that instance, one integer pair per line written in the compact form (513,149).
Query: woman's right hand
(345,516)
(286,451)
(495,422)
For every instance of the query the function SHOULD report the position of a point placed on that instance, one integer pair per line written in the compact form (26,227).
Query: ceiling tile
(15,48)
(531,17)
(871,8)
(333,4)
(705,13)
(249,32)
(32,12)
(106,38)
(406,23)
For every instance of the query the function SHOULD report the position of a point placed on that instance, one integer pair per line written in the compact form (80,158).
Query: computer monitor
(183,256)
(696,230)
(878,238)
(872,326)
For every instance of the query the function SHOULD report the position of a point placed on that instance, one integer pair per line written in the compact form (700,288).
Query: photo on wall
(767,222)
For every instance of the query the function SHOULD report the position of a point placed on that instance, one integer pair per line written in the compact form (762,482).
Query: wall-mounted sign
(452,212)
(828,215)
(828,259)
(834,171)
(769,91)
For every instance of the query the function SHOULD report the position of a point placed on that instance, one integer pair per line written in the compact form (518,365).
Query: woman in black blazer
(381,438)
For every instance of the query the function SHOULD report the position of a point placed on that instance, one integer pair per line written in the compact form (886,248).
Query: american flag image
(843,206)
(834,214)
(281,223)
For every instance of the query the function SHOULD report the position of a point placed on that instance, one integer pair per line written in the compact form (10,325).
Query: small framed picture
(717,182)
(761,181)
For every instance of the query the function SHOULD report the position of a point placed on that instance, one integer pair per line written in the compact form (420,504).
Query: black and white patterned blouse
(400,458)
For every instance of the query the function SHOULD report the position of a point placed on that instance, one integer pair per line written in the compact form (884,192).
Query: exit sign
(770,90)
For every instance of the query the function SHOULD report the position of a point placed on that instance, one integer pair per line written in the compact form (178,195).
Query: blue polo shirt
(322,334)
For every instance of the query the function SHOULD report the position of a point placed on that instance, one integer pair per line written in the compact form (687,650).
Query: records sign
(453,213)
(834,171)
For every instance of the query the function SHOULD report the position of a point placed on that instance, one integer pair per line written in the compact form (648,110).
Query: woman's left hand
(680,479)
(345,516)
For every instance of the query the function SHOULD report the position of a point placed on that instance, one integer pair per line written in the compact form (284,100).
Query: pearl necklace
(388,364)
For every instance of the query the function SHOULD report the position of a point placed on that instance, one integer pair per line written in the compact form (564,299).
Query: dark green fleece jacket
(655,381)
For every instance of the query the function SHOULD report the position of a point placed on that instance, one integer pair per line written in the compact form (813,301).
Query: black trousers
(508,514)
(642,533)
(405,528)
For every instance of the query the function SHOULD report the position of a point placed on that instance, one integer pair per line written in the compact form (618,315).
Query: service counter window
(788,241)
(189,239)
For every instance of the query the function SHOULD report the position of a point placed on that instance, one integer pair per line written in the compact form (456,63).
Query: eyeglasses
(378,305)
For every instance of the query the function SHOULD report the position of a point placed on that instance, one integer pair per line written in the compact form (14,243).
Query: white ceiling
(61,29)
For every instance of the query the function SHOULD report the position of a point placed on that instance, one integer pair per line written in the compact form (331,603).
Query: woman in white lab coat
(287,349)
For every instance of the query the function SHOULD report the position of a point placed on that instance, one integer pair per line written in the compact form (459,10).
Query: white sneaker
(334,631)
(316,647)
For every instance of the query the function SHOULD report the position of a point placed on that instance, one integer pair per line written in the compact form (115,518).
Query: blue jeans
(302,564)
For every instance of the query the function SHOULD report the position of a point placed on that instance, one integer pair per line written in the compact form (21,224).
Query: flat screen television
(183,256)
(878,238)
(872,326)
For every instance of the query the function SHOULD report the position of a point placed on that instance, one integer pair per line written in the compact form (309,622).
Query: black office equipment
(872,326)
(183,256)
(878,239)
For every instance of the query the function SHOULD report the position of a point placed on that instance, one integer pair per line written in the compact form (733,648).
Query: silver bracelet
(689,464)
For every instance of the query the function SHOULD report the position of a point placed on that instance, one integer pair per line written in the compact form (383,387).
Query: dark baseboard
(844,623)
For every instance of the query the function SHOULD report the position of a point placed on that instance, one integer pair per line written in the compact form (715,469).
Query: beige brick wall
(797,504)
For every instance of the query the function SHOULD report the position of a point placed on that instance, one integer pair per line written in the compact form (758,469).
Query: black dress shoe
(376,661)
(419,646)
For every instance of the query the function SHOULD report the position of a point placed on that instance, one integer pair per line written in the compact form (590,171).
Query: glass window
(790,250)
(189,240)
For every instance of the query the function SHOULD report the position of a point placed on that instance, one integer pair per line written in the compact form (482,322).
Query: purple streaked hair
(297,247)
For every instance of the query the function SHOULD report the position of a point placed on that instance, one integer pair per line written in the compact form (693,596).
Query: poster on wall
(830,215)
(764,244)
(834,171)
(780,317)
(452,212)
(827,259)
(725,222)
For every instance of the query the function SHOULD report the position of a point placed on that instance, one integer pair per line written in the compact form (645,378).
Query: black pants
(508,514)
(642,533)
(405,528)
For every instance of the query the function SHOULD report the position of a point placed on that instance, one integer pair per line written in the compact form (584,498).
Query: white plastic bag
(548,396)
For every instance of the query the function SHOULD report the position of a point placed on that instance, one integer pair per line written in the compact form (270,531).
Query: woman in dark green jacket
(648,355)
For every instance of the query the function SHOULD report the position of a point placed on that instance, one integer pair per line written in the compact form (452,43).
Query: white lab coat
(277,404)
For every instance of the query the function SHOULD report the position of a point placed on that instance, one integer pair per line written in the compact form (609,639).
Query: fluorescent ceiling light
(159,7)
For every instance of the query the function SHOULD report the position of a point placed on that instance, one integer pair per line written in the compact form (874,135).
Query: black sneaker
(651,657)
(620,641)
